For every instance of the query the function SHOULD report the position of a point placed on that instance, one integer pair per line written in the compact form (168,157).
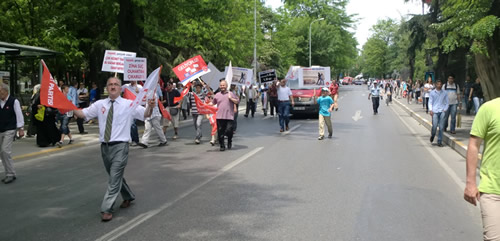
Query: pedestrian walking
(134,132)
(11,121)
(273,97)
(173,108)
(428,87)
(285,97)
(154,122)
(326,105)
(438,105)
(236,92)
(225,101)
(374,95)
(263,98)
(115,119)
(467,91)
(252,97)
(453,91)
(186,104)
(486,127)
(32,128)
(334,93)
(476,95)
(417,88)
(197,118)
(65,118)
(212,119)
(83,98)
(388,92)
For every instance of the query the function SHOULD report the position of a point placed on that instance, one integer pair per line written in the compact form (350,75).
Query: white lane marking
(126,227)
(363,94)
(441,162)
(267,117)
(291,129)
(357,116)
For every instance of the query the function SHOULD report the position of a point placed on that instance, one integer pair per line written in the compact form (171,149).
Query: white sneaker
(320,137)
(197,141)
(175,137)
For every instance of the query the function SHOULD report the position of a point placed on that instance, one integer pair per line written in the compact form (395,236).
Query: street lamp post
(310,25)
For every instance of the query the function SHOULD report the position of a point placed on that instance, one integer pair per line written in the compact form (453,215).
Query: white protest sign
(135,69)
(212,78)
(114,60)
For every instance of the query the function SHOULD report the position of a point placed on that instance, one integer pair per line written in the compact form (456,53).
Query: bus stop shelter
(14,53)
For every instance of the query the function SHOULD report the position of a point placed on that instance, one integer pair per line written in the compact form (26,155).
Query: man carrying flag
(225,101)
(115,116)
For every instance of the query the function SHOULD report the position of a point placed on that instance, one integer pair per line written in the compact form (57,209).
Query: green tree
(475,25)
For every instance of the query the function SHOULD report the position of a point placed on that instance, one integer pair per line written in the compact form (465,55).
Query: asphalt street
(378,178)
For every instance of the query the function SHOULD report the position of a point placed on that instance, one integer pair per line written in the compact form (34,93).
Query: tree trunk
(131,34)
(488,69)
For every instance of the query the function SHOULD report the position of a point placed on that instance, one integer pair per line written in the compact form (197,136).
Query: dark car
(305,101)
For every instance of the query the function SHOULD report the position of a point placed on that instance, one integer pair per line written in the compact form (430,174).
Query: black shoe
(9,179)
(440,144)
(432,139)
(162,144)
(70,141)
(330,135)
(83,133)
(222,148)
(141,145)
(229,145)
(246,116)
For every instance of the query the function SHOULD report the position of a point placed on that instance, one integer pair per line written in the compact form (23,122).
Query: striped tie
(109,123)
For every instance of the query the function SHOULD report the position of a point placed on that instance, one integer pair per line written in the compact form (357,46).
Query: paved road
(378,178)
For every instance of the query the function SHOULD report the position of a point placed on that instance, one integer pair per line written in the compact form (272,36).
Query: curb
(82,144)
(451,141)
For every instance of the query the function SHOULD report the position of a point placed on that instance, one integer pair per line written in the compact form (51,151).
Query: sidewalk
(27,148)
(458,141)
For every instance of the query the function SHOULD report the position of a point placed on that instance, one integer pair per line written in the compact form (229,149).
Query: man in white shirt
(285,97)
(11,119)
(154,122)
(115,117)
(453,91)
(252,97)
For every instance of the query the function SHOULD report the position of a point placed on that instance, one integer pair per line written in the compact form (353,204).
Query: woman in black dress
(47,132)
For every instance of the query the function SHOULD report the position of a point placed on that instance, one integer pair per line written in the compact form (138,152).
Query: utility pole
(255,41)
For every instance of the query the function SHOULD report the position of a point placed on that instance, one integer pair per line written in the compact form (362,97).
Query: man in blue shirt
(326,104)
(375,97)
(438,105)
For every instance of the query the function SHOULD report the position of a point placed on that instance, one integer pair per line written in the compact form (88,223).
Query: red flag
(213,122)
(51,96)
(127,94)
(203,108)
(183,93)
(164,112)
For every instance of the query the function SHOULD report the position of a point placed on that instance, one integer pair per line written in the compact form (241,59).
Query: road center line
(124,228)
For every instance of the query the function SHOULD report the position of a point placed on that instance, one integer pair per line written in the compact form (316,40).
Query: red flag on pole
(51,96)
(183,93)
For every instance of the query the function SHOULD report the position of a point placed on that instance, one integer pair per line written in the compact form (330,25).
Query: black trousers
(273,101)
(251,105)
(79,121)
(376,103)
(225,128)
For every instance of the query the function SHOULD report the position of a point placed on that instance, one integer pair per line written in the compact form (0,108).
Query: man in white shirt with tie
(115,118)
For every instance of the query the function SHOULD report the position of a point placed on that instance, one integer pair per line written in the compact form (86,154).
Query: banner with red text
(191,69)
(135,69)
(114,60)
(51,96)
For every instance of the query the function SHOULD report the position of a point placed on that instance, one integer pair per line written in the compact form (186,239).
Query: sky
(369,11)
